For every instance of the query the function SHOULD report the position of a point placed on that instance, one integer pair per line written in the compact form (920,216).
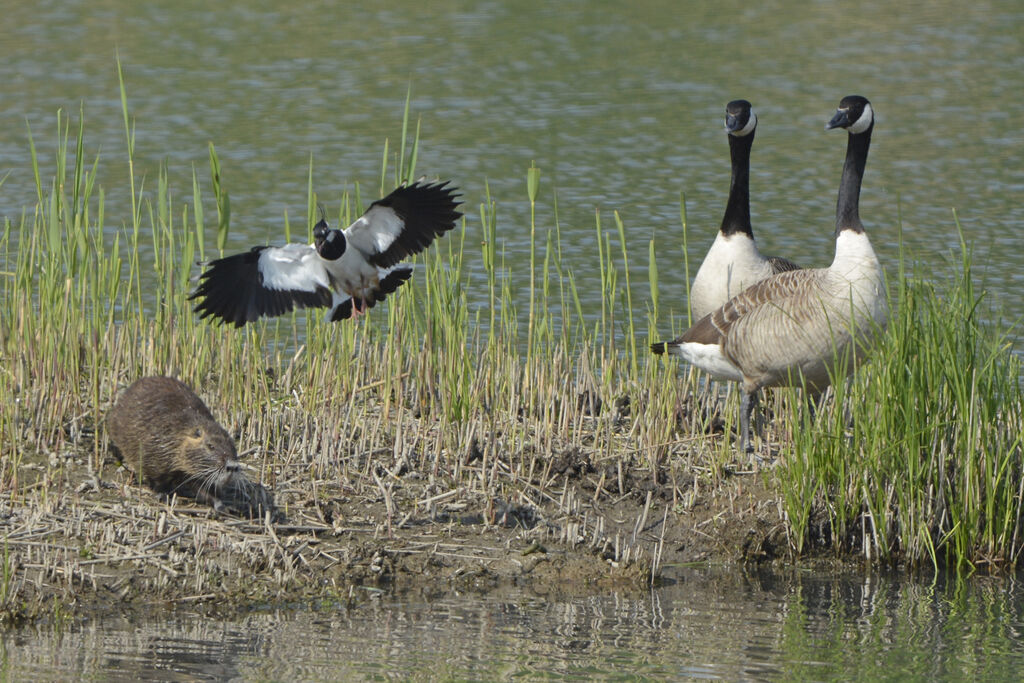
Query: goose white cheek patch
(864,122)
(747,129)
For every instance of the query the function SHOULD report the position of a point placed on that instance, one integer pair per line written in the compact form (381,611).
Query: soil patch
(76,542)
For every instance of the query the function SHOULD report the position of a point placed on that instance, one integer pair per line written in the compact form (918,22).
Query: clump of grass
(919,457)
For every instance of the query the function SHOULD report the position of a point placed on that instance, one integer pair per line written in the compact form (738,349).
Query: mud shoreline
(77,543)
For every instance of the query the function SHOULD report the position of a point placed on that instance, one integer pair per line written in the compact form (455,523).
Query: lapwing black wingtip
(205,314)
(659,348)
(441,186)
(202,290)
(201,308)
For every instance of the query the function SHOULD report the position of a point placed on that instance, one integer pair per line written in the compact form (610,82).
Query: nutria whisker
(203,481)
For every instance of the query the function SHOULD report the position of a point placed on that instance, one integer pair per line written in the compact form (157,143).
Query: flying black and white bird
(347,271)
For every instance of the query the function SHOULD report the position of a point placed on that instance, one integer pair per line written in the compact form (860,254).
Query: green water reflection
(707,623)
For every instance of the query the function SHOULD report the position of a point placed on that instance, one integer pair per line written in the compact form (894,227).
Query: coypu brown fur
(162,430)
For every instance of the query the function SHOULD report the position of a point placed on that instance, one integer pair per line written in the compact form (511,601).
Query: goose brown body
(793,329)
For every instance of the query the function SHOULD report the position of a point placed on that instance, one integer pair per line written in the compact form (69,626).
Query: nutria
(162,430)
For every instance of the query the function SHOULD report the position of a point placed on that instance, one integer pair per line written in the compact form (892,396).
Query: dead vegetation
(375,511)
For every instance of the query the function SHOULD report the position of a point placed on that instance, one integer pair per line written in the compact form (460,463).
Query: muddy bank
(76,542)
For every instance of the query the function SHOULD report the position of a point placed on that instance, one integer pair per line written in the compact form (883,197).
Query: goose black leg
(747,404)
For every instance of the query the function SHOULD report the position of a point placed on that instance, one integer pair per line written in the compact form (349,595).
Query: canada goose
(793,328)
(733,262)
(347,271)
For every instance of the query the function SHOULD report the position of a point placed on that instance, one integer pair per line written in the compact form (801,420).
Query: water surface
(619,104)
(708,623)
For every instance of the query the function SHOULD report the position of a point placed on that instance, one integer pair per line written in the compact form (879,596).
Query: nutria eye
(197,433)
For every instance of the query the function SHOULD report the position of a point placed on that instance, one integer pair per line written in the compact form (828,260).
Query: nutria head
(208,462)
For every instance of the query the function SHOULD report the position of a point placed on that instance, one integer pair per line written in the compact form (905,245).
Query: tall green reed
(918,458)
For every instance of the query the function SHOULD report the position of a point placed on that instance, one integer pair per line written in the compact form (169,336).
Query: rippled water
(717,624)
(619,104)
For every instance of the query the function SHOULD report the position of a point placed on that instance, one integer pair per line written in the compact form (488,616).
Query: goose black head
(854,114)
(330,244)
(740,119)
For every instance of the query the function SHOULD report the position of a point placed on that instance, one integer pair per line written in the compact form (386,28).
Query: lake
(620,105)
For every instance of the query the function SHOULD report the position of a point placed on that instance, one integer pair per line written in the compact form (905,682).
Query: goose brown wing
(781,265)
(714,327)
